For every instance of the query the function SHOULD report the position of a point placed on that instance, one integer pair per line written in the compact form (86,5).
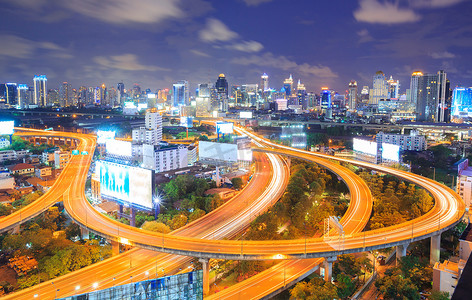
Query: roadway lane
(251,201)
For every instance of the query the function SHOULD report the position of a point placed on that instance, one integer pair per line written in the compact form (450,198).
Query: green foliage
(72,231)
(5,210)
(28,281)
(316,289)
(27,199)
(156,227)
(213,202)
(184,187)
(141,218)
(196,214)
(203,137)
(395,286)
(237,182)
(437,295)
(177,221)
(345,286)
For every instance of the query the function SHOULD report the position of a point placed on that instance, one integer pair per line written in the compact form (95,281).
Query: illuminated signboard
(142,106)
(364,146)
(224,127)
(390,152)
(186,122)
(121,148)
(218,151)
(126,184)
(6,127)
(103,136)
(245,115)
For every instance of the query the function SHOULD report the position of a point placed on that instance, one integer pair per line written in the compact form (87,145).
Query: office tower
(237,95)
(462,104)
(202,102)
(393,88)
(379,88)
(441,96)
(447,113)
(264,82)
(326,102)
(151,133)
(249,94)
(10,93)
(40,90)
(53,98)
(180,93)
(365,92)
(415,77)
(352,95)
(97,96)
(103,94)
(427,101)
(288,86)
(121,88)
(203,90)
(65,94)
(221,86)
(136,91)
(301,95)
(22,92)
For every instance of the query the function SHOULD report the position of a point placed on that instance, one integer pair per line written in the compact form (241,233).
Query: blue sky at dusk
(157,42)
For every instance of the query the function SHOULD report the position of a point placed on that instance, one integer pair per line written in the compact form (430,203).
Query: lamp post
(57,290)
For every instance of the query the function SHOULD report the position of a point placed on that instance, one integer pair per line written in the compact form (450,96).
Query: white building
(151,133)
(61,159)
(4,143)
(414,141)
(6,180)
(192,154)
(6,155)
(164,158)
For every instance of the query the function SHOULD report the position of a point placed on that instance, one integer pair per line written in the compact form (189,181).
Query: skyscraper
(431,96)
(462,103)
(264,82)
(121,88)
(442,95)
(180,93)
(22,92)
(288,86)
(65,94)
(40,83)
(352,95)
(415,77)
(10,93)
(301,95)
(379,88)
(393,88)
(221,86)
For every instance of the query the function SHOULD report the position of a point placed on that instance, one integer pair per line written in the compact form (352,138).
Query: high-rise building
(65,94)
(326,102)
(301,95)
(40,90)
(11,93)
(22,92)
(379,88)
(53,97)
(82,96)
(288,86)
(462,104)
(415,77)
(393,88)
(103,95)
(121,88)
(352,95)
(97,96)
(237,95)
(180,93)
(264,82)
(151,133)
(221,86)
(431,97)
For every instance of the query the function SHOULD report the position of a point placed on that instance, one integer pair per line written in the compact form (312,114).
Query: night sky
(157,42)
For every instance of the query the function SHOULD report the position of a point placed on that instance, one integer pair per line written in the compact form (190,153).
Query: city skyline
(195,40)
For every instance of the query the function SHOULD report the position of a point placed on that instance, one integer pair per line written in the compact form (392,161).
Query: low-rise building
(164,158)
(47,157)
(7,182)
(224,193)
(192,155)
(11,155)
(414,141)
(22,169)
(464,181)
(43,172)
(4,143)
(61,158)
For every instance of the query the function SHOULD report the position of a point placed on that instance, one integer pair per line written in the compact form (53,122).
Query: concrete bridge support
(435,248)
(206,275)
(328,268)
(84,233)
(16,229)
(401,251)
(115,248)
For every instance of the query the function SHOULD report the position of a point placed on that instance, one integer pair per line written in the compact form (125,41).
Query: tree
(237,183)
(196,214)
(345,286)
(316,289)
(395,286)
(156,227)
(178,221)
(438,295)
(5,210)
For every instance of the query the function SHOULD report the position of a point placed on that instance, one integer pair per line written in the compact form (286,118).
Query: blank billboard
(245,115)
(364,146)
(390,152)
(186,122)
(224,127)
(104,135)
(218,151)
(6,127)
(121,148)
(130,185)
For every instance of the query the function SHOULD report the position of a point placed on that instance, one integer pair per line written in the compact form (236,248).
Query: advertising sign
(6,127)
(218,151)
(186,122)
(365,146)
(104,135)
(121,148)
(224,127)
(390,152)
(130,185)
(245,115)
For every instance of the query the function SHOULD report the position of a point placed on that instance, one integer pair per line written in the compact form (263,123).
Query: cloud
(247,46)
(372,11)
(434,3)
(442,55)
(199,53)
(19,47)
(281,62)
(216,31)
(125,11)
(126,62)
(255,2)
(364,36)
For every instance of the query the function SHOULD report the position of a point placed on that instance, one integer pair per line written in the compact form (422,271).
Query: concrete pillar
(16,229)
(401,251)
(115,248)
(435,248)
(84,233)
(328,268)
(206,275)
(132,219)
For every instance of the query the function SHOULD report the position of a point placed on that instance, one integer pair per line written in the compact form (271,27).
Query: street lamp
(95,285)
(76,289)
(57,290)
(147,274)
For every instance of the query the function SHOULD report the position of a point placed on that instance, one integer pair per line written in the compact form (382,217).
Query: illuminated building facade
(379,88)
(180,93)
(40,83)
(462,103)
(352,95)
(264,82)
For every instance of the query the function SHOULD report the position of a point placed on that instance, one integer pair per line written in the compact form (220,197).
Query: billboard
(365,146)
(390,152)
(218,151)
(104,135)
(245,115)
(224,127)
(121,148)
(6,127)
(186,122)
(244,149)
(126,184)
